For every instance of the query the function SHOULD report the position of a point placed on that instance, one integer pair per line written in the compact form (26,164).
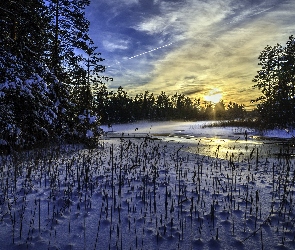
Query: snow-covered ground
(152,186)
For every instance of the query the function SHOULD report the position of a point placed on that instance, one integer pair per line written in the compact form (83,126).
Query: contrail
(141,54)
(146,52)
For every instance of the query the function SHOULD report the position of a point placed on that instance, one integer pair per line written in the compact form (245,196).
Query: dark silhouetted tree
(120,107)
(276,81)
(219,110)
(235,111)
(164,106)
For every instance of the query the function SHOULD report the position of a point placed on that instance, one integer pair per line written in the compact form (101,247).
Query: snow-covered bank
(146,194)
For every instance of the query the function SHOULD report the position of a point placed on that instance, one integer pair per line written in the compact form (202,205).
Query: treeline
(118,107)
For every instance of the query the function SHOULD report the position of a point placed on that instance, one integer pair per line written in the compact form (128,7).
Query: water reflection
(235,146)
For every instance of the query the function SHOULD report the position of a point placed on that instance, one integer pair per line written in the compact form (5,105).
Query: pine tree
(69,36)
(74,61)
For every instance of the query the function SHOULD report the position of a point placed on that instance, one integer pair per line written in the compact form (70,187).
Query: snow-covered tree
(26,111)
(46,56)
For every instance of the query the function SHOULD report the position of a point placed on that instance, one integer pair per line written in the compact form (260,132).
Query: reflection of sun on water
(213,96)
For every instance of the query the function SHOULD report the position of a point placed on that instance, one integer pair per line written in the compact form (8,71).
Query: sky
(204,49)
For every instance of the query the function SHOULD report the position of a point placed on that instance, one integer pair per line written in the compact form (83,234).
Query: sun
(213,96)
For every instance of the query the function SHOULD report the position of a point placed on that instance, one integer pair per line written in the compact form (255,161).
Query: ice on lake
(210,141)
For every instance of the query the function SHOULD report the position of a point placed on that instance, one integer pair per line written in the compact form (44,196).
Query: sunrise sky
(201,48)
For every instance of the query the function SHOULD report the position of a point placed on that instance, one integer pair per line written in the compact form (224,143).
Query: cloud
(212,44)
(218,53)
(153,25)
(112,46)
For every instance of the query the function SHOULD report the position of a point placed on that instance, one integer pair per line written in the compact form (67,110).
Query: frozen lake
(210,141)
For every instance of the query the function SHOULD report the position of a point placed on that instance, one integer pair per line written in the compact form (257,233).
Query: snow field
(145,194)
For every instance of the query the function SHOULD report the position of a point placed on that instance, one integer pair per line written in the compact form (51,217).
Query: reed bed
(146,194)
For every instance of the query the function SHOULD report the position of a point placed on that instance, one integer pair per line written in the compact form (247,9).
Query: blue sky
(194,47)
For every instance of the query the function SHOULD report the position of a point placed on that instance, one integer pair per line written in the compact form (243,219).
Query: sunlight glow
(213,96)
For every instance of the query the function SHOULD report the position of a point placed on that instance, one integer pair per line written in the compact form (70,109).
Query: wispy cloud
(212,44)
(112,46)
